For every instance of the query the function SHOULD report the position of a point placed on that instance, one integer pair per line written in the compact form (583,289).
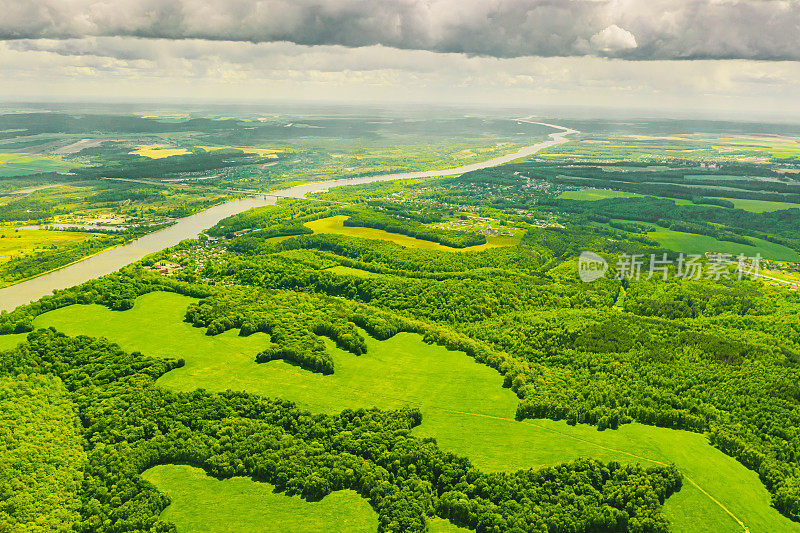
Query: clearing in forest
(463,403)
(691,243)
(335,225)
(591,195)
(238,504)
(157,151)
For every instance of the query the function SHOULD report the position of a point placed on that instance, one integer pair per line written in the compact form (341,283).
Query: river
(191,226)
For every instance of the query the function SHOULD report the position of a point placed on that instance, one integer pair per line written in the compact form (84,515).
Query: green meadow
(463,403)
(691,243)
(15,241)
(591,195)
(246,503)
(760,206)
(203,503)
(22,164)
(349,271)
(10,341)
(439,525)
(335,225)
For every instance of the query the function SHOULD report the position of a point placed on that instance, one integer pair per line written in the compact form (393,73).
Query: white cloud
(526,52)
(613,39)
(117,67)
(663,29)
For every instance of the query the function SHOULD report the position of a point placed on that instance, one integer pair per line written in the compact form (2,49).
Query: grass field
(15,241)
(463,403)
(700,244)
(591,195)
(439,525)
(760,206)
(775,146)
(349,271)
(22,164)
(157,151)
(263,152)
(10,341)
(699,147)
(203,503)
(336,225)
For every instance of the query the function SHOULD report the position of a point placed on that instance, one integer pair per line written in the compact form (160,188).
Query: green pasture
(700,244)
(463,403)
(22,164)
(712,177)
(10,341)
(696,147)
(203,503)
(439,525)
(335,225)
(15,241)
(760,206)
(350,271)
(591,195)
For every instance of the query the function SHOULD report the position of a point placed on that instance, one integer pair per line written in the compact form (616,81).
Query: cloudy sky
(734,55)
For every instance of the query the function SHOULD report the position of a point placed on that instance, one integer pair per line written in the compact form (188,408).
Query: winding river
(191,226)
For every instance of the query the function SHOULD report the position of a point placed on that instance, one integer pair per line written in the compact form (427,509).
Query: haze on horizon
(722,56)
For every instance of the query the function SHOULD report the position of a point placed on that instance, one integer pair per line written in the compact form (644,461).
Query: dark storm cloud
(630,29)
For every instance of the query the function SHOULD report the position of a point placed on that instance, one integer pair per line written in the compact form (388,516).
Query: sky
(731,56)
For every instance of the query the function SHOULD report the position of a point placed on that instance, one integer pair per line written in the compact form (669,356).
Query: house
(166,268)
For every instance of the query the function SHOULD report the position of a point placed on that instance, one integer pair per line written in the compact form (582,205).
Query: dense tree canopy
(720,358)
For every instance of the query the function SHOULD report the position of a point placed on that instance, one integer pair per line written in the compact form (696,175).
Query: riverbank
(191,226)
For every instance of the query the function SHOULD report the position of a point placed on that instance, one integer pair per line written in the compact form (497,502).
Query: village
(781,273)
(490,227)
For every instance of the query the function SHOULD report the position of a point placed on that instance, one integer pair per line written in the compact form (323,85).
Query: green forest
(683,355)
(309,379)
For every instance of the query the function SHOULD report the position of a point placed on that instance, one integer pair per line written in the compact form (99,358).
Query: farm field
(160,151)
(701,147)
(463,403)
(157,151)
(263,152)
(341,158)
(22,164)
(203,503)
(775,146)
(335,225)
(135,210)
(15,241)
(691,243)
